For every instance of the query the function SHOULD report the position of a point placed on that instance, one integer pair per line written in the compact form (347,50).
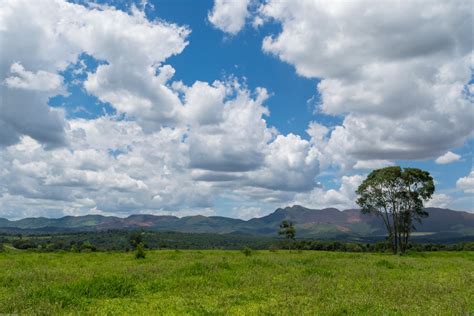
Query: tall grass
(231,283)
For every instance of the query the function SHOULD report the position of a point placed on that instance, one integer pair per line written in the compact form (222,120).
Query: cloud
(317,132)
(398,76)
(233,142)
(448,157)
(440,200)
(39,81)
(237,138)
(114,166)
(290,165)
(466,183)
(229,15)
(372,164)
(149,173)
(204,103)
(173,147)
(170,147)
(248,212)
(24,109)
(52,35)
(343,198)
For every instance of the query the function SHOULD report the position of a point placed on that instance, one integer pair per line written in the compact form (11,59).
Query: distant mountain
(329,223)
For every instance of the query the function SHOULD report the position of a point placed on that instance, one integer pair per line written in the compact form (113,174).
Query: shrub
(247,251)
(135,239)
(468,246)
(23,244)
(140,251)
(87,246)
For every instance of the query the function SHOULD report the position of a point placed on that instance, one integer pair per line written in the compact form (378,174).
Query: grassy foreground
(227,282)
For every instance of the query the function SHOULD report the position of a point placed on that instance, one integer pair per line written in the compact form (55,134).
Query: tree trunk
(396,233)
(386,220)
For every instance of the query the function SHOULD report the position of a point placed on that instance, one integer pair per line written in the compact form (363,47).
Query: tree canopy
(397,196)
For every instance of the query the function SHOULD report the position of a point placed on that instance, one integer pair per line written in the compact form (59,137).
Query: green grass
(230,283)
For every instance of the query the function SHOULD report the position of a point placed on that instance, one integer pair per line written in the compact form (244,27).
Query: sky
(229,108)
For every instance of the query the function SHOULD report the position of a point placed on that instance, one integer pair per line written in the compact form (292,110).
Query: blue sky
(229,108)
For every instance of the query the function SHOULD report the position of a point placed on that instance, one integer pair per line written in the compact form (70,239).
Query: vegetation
(247,251)
(227,283)
(140,251)
(288,230)
(136,238)
(396,195)
(380,246)
(122,241)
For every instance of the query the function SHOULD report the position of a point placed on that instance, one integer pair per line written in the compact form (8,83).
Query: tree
(140,251)
(396,195)
(287,229)
(247,251)
(135,239)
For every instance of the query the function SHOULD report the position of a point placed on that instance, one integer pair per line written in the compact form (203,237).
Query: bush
(87,247)
(354,248)
(140,251)
(247,251)
(135,239)
(468,246)
(24,244)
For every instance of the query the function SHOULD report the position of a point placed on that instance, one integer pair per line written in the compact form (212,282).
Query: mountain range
(328,223)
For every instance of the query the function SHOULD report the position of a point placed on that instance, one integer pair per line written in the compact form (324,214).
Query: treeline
(119,240)
(377,247)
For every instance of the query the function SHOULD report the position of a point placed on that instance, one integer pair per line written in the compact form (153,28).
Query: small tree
(247,251)
(135,239)
(288,230)
(86,246)
(140,251)
(396,195)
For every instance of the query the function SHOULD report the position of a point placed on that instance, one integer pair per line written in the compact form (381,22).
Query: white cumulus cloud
(20,78)
(229,15)
(41,38)
(176,147)
(114,166)
(466,183)
(448,157)
(440,200)
(342,198)
(396,72)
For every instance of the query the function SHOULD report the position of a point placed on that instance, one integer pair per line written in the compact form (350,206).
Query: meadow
(226,282)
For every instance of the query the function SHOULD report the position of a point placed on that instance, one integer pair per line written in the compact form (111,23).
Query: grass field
(227,282)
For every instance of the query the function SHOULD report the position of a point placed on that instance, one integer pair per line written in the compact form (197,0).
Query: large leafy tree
(397,196)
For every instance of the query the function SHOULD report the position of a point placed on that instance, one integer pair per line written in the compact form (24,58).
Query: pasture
(218,282)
